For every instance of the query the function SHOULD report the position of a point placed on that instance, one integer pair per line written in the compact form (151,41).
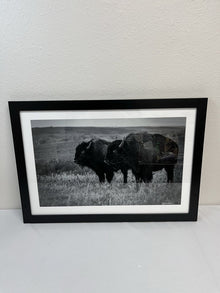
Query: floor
(110,257)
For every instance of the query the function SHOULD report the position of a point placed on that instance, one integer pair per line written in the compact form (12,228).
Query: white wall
(97,49)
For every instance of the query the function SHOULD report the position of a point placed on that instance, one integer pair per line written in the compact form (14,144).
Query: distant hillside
(105,130)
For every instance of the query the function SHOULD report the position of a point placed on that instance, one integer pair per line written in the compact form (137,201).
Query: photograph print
(109,162)
(119,160)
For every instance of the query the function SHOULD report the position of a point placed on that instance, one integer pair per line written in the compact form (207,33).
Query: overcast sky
(134,122)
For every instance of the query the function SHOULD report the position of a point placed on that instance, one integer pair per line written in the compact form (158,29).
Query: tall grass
(69,189)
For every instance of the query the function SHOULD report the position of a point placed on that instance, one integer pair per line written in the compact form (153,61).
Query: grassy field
(61,182)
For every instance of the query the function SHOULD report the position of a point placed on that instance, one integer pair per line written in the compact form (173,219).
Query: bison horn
(88,147)
(121,144)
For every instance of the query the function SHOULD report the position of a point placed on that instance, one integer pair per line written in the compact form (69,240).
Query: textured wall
(70,49)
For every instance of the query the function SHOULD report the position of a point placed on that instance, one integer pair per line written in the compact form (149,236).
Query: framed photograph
(109,160)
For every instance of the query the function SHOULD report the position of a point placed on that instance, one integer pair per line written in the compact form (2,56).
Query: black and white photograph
(104,162)
(133,160)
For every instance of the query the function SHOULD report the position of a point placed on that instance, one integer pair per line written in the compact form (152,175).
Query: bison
(92,154)
(114,160)
(145,153)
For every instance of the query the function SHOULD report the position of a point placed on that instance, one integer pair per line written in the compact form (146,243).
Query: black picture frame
(16,107)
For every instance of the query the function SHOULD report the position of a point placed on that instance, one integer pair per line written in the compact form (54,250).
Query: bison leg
(138,181)
(125,174)
(146,174)
(138,178)
(169,170)
(136,172)
(101,177)
(109,176)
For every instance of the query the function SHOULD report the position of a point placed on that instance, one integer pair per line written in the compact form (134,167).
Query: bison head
(112,157)
(115,156)
(136,149)
(83,153)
